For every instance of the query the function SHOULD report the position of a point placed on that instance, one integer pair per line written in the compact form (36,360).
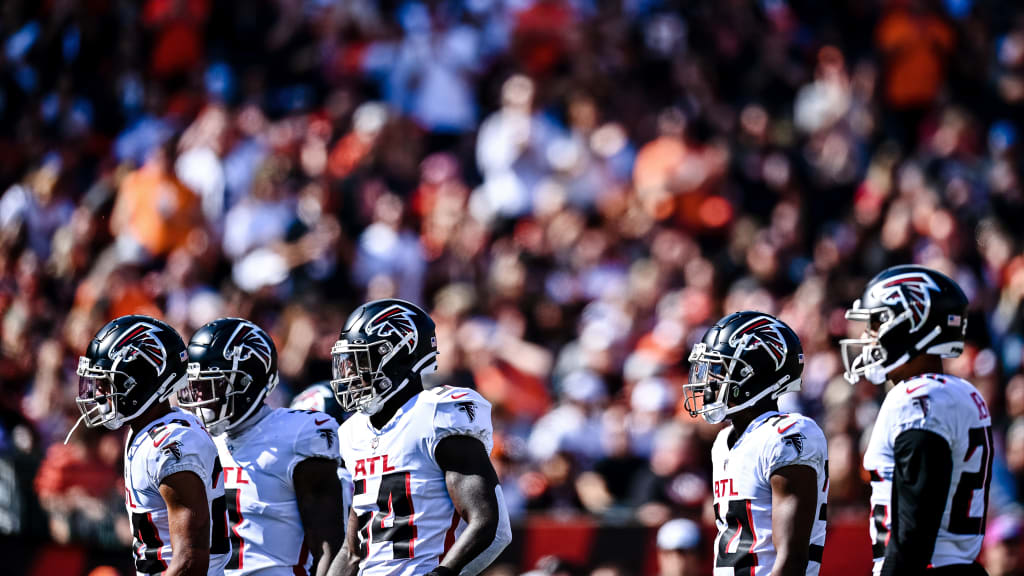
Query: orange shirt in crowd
(914,49)
(156,209)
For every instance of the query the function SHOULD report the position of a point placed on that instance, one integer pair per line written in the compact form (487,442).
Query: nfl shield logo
(375,442)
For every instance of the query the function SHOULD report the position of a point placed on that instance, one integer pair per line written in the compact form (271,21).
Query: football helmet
(319,397)
(131,363)
(907,311)
(384,344)
(743,359)
(232,367)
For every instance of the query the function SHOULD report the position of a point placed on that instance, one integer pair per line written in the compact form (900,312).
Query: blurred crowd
(575,189)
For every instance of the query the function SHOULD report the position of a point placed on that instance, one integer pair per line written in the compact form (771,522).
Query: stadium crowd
(573,188)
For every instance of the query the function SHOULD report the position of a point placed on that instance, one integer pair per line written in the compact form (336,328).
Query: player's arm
(188,517)
(920,487)
(794,506)
(473,487)
(346,563)
(318,494)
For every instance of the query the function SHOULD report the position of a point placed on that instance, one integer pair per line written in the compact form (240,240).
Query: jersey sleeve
(919,404)
(796,440)
(461,412)
(180,448)
(317,437)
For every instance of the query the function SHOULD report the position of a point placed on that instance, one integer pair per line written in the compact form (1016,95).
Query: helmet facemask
(868,356)
(714,377)
(359,381)
(212,394)
(99,392)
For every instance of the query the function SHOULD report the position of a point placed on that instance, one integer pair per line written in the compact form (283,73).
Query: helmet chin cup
(714,413)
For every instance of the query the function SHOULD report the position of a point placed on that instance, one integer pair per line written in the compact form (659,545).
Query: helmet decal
(392,320)
(140,341)
(763,331)
(247,341)
(913,290)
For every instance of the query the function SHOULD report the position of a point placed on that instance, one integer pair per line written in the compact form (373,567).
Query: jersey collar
(754,424)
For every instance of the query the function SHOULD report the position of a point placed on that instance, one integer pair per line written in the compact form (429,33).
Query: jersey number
(146,545)
(234,519)
(879,514)
(739,525)
(393,520)
(219,543)
(960,519)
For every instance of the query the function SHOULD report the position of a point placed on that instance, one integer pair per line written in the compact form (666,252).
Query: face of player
(98,390)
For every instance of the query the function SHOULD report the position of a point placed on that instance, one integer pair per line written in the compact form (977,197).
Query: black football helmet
(908,311)
(319,397)
(131,363)
(232,367)
(744,358)
(384,344)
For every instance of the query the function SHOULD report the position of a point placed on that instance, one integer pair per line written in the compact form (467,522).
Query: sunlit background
(574,188)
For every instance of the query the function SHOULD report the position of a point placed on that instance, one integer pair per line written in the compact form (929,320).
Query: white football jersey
(955,410)
(174,443)
(743,490)
(407,521)
(265,527)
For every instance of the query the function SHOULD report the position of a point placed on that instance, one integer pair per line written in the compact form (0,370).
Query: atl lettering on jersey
(743,491)
(407,521)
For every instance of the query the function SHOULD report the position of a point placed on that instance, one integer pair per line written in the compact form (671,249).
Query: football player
(930,452)
(280,465)
(174,491)
(427,499)
(770,470)
(319,397)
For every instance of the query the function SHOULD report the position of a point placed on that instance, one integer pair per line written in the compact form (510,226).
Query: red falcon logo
(764,332)
(140,341)
(247,342)
(913,291)
(395,320)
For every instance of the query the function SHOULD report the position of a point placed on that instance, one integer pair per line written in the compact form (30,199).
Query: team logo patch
(172,449)
(395,320)
(924,404)
(765,332)
(796,441)
(913,291)
(247,342)
(328,436)
(469,409)
(140,341)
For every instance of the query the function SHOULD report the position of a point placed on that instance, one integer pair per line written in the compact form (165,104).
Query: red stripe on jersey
(159,542)
(449,536)
(241,541)
(300,568)
(412,514)
(753,532)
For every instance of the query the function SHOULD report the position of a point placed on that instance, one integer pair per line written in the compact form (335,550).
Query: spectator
(680,548)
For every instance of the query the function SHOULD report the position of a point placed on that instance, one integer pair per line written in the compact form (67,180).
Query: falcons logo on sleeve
(469,409)
(913,291)
(763,332)
(796,441)
(140,341)
(395,320)
(172,449)
(247,342)
(328,436)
